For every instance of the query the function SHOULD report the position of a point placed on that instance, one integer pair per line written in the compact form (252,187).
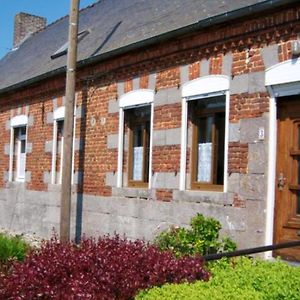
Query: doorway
(287,189)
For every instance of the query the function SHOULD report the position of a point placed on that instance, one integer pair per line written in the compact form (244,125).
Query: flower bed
(109,268)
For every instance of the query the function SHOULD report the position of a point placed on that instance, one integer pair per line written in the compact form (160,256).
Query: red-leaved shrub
(110,268)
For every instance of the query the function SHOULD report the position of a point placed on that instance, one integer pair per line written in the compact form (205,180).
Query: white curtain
(138,163)
(22,159)
(204,162)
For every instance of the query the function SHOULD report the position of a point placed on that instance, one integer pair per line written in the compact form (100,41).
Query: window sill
(130,192)
(209,197)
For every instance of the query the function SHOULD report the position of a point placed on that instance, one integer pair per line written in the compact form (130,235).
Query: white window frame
(20,138)
(129,100)
(17,122)
(282,79)
(203,87)
(59,115)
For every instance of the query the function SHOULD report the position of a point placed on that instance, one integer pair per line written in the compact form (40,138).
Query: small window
(139,139)
(64,48)
(57,153)
(20,152)
(207,165)
(59,150)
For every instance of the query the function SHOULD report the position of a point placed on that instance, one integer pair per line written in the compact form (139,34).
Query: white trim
(18,159)
(54,179)
(184,128)
(59,113)
(270,206)
(54,146)
(11,155)
(285,72)
(150,146)
(136,98)
(282,79)
(73,149)
(120,148)
(62,160)
(226,140)
(19,121)
(203,87)
(130,100)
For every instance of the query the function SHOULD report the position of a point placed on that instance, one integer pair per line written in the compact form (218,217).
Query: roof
(112,25)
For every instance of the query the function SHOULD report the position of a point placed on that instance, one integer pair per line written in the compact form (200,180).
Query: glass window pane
(139,123)
(138,151)
(205,150)
(60,129)
(138,137)
(220,132)
(23,130)
(209,119)
(22,164)
(23,146)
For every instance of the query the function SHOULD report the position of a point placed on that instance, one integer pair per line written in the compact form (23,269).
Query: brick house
(181,107)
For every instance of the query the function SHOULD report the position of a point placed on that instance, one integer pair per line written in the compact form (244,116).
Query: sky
(50,9)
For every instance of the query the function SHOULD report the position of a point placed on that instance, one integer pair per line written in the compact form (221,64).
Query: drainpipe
(66,185)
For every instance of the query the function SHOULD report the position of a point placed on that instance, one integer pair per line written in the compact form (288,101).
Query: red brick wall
(244,38)
(168,78)
(237,157)
(167,116)
(248,106)
(247,60)
(194,70)
(166,158)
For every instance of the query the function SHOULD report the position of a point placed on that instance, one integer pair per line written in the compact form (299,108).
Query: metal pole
(69,124)
(242,252)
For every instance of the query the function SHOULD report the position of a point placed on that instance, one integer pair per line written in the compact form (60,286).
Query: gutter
(210,21)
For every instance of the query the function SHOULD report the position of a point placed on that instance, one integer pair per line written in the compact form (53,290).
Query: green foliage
(201,238)
(12,248)
(243,278)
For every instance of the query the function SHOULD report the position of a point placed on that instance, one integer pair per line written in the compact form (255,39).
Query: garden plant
(108,268)
(202,237)
(242,279)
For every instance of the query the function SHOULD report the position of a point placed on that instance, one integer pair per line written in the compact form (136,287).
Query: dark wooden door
(287,202)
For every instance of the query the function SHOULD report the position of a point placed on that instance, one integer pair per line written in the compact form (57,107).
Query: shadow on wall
(79,194)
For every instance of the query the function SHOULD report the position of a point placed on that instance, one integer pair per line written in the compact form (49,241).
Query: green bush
(201,238)
(12,248)
(244,278)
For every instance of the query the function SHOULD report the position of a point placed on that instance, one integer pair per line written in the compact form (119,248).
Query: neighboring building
(181,107)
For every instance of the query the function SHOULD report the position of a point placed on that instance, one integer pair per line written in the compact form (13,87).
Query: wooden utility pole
(66,185)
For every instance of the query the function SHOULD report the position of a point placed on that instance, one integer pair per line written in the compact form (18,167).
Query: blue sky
(50,9)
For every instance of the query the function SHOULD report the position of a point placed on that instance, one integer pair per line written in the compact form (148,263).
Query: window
(139,138)
(136,116)
(58,145)
(64,48)
(17,150)
(59,151)
(205,106)
(208,125)
(20,152)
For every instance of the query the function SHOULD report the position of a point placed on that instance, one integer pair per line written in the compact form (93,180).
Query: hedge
(243,278)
